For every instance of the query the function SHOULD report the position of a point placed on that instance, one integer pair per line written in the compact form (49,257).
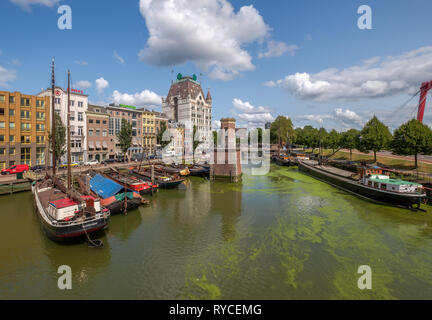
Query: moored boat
(132,182)
(199,170)
(282,160)
(117,198)
(373,184)
(166,181)
(67,216)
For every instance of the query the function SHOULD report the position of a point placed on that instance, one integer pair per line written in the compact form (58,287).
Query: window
(72,103)
(104,121)
(11,99)
(2,165)
(104,133)
(78,143)
(90,120)
(11,138)
(40,155)
(97,132)
(40,127)
(2,138)
(40,139)
(25,102)
(2,124)
(2,98)
(90,132)
(11,163)
(80,103)
(25,126)
(97,121)
(40,103)
(11,151)
(40,115)
(2,151)
(25,114)
(1,111)
(72,115)
(25,139)
(11,125)
(25,155)
(11,112)
(80,116)
(57,100)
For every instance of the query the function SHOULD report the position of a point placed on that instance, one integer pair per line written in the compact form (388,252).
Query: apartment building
(133,116)
(24,129)
(100,145)
(78,121)
(149,131)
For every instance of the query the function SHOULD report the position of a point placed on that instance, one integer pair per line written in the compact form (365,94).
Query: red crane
(424,89)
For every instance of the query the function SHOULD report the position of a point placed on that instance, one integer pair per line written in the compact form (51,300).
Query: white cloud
(83,84)
(145,98)
(348,118)
(340,118)
(6,76)
(118,57)
(276,49)
(253,116)
(216,124)
(26,4)
(208,33)
(81,63)
(246,107)
(375,77)
(101,84)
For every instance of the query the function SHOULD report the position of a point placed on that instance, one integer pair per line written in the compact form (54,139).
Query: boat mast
(53,145)
(69,172)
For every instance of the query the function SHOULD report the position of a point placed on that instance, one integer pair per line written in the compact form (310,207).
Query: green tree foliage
(282,131)
(350,140)
(311,137)
(412,138)
(124,136)
(159,136)
(323,139)
(375,137)
(215,137)
(333,140)
(60,138)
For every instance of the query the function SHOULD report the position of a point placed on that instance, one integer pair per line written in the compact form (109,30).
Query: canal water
(284,235)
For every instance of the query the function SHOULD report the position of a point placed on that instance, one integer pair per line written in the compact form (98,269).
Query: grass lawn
(400,164)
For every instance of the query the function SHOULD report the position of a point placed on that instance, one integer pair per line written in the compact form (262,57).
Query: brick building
(100,145)
(24,129)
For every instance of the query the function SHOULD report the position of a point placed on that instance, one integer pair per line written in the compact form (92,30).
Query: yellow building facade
(149,131)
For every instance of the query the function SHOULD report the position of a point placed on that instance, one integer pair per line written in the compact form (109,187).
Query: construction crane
(424,89)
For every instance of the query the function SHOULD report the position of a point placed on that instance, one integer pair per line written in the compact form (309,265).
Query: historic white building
(186,102)
(78,119)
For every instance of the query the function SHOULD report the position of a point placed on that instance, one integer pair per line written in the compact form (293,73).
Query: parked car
(138,156)
(92,162)
(64,165)
(121,159)
(16,169)
(107,161)
(38,168)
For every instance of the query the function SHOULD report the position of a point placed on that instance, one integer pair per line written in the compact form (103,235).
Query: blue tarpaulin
(104,187)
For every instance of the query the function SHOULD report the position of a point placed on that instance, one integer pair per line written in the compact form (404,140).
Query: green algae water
(284,235)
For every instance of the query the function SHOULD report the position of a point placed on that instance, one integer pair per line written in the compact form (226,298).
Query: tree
(333,140)
(374,136)
(215,137)
(323,139)
(162,129)
(311,137)
(412,138)
(282,131)
(350,140)
(124,136)
(60,138)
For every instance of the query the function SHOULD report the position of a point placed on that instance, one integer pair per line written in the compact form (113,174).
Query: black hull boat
(281,161)
(163,181)
(197,170)
(63,218)
(410,200)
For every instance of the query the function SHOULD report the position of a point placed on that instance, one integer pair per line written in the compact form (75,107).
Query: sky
(307,60)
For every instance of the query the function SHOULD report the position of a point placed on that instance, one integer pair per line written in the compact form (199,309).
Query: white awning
(98,145)
(91,145)
(105,145)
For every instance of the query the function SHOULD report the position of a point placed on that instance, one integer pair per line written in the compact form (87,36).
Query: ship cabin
(375,178)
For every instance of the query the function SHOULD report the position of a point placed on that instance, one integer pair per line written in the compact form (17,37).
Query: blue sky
(138,52)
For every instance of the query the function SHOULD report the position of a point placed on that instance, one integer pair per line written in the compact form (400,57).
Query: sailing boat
(63,212)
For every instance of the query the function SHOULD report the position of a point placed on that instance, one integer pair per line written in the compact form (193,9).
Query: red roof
(63,203)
